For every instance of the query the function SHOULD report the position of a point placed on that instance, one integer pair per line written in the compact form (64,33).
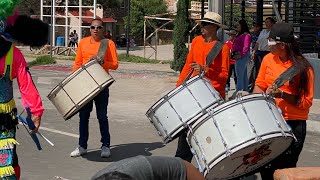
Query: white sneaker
(105,152)
(79,151)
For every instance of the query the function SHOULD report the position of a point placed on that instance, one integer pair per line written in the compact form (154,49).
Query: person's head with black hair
(269,22)
(20,28)
(96,29)
(114,175)
(242,27)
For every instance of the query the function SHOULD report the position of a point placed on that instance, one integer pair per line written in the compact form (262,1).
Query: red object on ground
(17,171)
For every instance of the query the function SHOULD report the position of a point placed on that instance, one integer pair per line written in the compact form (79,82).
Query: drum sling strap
(102,50)
(215,50)
(287,75)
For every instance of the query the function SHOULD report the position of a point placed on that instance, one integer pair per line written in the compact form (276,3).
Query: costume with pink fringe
(31,32)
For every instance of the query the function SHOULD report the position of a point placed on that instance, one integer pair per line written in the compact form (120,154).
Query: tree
(141,8)
(180,32)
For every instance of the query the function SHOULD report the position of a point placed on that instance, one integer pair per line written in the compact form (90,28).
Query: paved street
(136,88)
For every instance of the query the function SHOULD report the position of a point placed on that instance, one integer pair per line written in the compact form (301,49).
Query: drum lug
(244,110)
(277,121)
(227,150)
(195,155)
(204,111)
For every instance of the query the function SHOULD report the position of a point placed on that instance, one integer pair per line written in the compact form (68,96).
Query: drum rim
(172,93)
(245,98)
(271,135)
(220,108)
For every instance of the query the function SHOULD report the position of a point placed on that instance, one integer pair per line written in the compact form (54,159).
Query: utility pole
(128,29)
(52,29)
(202,9)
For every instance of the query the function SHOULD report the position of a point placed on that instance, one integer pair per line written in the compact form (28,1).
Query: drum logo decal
(252,158)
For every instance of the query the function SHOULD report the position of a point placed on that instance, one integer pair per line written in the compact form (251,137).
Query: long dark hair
(299,62)
(244,27)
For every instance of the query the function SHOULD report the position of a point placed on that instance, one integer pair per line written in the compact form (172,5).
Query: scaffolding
(55,10)
(194,14)
(155,32)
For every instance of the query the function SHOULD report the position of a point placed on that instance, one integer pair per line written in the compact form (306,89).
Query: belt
(8,120)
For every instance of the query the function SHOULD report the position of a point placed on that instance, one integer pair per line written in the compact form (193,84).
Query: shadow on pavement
(123,151)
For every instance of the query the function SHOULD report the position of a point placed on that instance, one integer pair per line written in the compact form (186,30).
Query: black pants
(183,149)
(290,157)
(232,69)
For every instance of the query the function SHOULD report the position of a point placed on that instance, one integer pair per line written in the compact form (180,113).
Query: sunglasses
(96,27)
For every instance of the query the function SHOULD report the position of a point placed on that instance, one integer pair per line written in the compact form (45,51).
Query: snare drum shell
(79,88)
(182,106)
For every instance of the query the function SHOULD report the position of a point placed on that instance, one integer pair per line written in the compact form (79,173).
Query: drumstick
(188,76)
(48,141)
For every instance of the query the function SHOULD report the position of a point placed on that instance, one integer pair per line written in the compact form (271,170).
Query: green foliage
(141,8)
(138,59)
(180,32)
(7,7)
(232,20)
(42,60)
(104,3)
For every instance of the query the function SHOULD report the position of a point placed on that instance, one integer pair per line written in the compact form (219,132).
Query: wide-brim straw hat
(212,17)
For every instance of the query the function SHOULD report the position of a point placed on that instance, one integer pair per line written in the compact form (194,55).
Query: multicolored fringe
(7,172)
(7,143)
(7,107)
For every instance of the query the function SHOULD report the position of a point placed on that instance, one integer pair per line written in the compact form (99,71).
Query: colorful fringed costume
(28,31)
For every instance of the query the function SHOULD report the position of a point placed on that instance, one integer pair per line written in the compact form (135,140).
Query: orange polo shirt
(271,68)
(217,72)
(88,48)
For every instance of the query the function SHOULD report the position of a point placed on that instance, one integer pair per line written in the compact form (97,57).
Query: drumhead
(79,88)
(247,98)
(248,157)
(173,92)
(68,79)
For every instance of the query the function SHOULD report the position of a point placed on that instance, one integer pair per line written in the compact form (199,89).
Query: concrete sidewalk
(165,70)
(137,87)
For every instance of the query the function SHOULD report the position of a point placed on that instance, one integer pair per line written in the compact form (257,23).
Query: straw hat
(212,17)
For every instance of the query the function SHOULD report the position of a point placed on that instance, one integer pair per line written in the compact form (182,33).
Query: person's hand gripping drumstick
(274,91)
(197,67)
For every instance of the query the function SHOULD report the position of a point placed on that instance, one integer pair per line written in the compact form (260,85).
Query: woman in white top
(261,46)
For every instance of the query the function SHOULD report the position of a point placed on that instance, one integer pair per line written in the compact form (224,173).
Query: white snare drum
(238,137)
(79,88)
(182,106)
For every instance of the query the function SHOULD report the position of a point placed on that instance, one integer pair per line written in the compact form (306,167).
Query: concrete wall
(316,67)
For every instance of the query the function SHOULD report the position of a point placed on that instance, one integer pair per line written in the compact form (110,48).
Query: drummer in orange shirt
(294,97)
(88,49)
(216,72)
